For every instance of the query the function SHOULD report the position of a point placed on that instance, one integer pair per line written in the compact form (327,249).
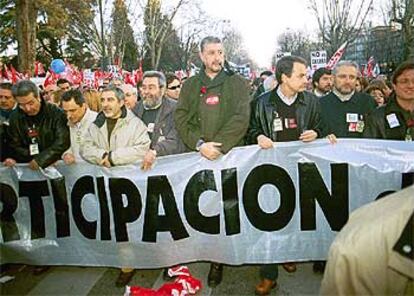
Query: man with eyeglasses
(395,120)
(131,95)
(173,86)
(344,111)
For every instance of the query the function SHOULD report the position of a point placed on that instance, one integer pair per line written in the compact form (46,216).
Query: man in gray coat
(157,112)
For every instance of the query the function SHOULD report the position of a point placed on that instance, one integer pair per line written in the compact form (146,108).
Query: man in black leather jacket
(38,131)
(395,120)
(287,113)
(269,121)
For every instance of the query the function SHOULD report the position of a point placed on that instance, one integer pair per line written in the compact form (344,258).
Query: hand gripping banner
(250,206)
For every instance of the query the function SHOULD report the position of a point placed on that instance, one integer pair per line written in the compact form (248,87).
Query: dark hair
(62,81)
(74,94)
(285,66)
(208,40)
(267,73)
(119,94)
(373,86)
(162,82)
(407,65)
(363,82)
(6,85)
(171,77)
(318,74)
(24,88)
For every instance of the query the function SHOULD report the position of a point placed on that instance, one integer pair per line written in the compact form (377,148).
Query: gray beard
(151,104)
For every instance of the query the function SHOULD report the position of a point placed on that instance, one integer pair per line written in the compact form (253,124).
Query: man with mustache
(157,112)
(344,110)
(213,114)
(116,137)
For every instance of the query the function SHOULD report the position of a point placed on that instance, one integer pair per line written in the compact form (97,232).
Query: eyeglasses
(174,87)
(405,81)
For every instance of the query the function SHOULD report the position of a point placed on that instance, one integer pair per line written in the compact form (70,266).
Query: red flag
(370,67)
(7,73)
(139,73)
(15,76)
(39,69)
(128,79)
(337,56)
(51,78)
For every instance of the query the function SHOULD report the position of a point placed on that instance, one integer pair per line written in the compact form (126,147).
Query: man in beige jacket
(374,253)
(117,136)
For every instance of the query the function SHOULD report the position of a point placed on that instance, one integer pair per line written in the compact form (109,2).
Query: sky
(261,21)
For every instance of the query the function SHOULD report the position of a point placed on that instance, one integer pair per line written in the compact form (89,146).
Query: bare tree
(339,20)
(297,43)
(159,27)
(26,34)
(402,13)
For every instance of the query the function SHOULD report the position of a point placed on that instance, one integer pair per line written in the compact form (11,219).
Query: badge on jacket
(277,124)
(393,120)
(212,100)
(34,149)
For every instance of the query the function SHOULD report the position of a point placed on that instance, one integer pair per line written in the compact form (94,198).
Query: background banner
(250,206)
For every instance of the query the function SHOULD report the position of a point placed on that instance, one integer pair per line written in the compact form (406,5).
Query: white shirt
(288,101)
(77,132)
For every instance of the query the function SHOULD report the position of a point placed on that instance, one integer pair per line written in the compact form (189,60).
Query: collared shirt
(343,97)
(77,132)
(319,94)
(288,101)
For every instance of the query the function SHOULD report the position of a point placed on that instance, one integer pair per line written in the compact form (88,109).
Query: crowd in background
(211,113)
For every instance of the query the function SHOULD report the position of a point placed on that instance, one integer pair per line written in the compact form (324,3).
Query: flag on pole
(370,67)
(337,56)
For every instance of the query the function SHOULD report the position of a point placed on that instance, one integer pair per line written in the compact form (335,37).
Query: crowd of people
(209,113)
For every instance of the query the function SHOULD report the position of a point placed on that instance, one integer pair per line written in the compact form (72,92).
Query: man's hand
(332,139)
(210,150)
(308,136)
(33,165)
(69,158)
(264,142)
(9,162)
(149,160)
(105,162)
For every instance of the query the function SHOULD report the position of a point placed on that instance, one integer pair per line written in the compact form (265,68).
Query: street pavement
(66,280)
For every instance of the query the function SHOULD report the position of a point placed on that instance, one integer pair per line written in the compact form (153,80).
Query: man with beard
(213,114)
(116,137)
(343,110)
(322,82)
(157,112)
(395,120)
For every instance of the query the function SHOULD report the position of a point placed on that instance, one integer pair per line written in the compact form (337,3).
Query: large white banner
(250,206)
